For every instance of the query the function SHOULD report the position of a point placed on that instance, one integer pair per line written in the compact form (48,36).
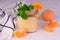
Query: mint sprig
(21,10)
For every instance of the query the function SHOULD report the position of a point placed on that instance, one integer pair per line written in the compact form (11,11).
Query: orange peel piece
(19,33)
(38,5)
(54,24)
(48,28)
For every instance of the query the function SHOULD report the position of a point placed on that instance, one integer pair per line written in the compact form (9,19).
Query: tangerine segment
(38,5)
(20,33)
(48,28)
(54,24)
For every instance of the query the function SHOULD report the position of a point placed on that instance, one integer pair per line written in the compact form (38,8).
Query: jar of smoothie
(31,23)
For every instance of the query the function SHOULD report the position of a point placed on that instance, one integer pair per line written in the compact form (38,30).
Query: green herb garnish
(22,8)
(24,15)
(20,4)
(31,7)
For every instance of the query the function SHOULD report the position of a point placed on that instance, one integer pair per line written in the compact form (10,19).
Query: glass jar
(31,24)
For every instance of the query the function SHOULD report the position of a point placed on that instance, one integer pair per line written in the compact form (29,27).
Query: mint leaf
(31,7)
(24,15)
(21,9)
(20,4)
(25,7)
(18,14)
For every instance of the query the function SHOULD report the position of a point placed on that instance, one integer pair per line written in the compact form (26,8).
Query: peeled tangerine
(48,28)
(38,5)
(20,33)
(47,15)
(31,24)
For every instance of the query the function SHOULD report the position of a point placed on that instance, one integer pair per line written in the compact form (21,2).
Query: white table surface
(40,34)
